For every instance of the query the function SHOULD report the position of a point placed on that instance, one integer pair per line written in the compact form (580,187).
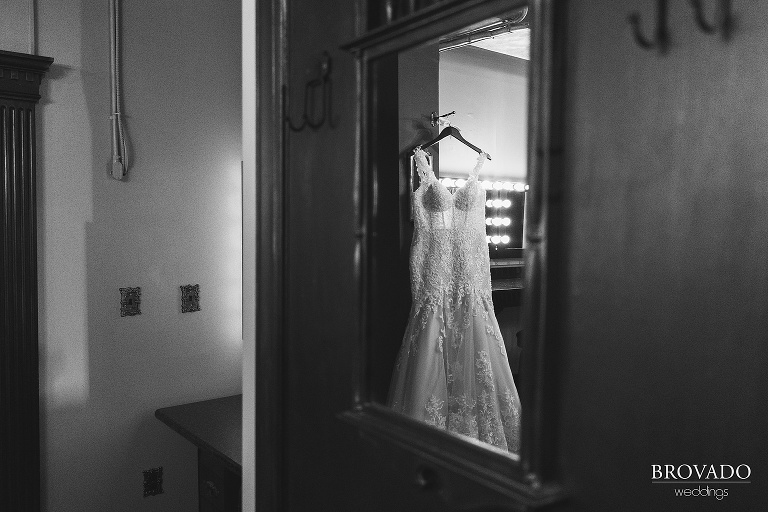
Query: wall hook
(724,12)
(322,82)
(661,36)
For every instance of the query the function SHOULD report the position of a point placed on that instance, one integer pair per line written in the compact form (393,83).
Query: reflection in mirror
(462,109)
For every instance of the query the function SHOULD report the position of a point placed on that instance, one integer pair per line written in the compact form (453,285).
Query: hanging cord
(119,148)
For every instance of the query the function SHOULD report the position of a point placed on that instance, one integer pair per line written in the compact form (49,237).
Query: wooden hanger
(456,134)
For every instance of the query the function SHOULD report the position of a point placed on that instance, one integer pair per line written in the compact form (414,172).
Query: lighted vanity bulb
(505,239)
(495,239)
(497,185)
(519,187)
(460,182)
(487,185)
(489,203)
(506,221)
(497,203)
(488,221)
(506,203)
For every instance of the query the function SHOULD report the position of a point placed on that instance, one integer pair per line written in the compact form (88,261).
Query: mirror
(452,116)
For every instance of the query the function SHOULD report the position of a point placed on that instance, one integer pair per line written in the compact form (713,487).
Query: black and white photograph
(383,256)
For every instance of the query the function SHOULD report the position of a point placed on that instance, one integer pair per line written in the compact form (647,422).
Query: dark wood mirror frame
(532,478)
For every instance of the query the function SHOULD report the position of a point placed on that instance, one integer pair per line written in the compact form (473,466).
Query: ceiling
(516,43)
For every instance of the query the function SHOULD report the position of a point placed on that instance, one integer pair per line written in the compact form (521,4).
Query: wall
(666,201)
(489,92)
(176,220)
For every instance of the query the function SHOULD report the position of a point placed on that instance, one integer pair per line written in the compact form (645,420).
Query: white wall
(489,92)
(175,221)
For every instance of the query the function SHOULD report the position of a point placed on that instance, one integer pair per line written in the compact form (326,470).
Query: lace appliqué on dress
(452,370)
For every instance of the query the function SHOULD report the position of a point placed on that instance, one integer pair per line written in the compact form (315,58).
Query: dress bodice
(449,254)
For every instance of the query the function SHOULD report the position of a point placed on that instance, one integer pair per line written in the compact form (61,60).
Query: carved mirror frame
(532,478)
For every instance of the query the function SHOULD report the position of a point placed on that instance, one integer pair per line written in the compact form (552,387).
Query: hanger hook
(661,36)
(726,18)
(434,119)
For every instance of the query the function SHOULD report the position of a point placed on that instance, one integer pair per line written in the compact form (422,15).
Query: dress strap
(474,173)
(423,166)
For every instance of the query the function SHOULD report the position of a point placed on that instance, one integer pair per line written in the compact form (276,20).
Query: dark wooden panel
(219,487)
(20,77)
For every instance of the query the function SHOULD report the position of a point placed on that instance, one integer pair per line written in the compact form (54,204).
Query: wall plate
(153,481)
(190,298)
(130,301)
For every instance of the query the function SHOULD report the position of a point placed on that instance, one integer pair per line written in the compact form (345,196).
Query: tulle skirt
(452,371)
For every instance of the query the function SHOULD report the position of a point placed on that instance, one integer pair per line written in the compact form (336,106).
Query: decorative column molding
(20,78)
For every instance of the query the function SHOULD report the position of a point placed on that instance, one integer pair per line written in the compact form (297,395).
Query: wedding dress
(452,370)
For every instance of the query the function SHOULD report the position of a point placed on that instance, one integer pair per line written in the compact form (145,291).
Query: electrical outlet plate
(190,298)
(153,481)
(130,301)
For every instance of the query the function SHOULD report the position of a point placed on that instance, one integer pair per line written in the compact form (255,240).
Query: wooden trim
(485,465)
(20,77)
(545,261)
(427,24)
(533,479)
(21,74)
(271,54)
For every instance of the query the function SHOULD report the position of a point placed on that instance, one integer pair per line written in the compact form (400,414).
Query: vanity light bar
(498,221)
(497,239)
(498,203)
(487,185)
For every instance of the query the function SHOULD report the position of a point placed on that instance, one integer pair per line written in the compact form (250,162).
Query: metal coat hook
(724,13)
(322,82)
(434,118)
(661,36)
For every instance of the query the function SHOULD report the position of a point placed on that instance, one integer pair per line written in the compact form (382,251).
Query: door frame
(534,480)
(264,238)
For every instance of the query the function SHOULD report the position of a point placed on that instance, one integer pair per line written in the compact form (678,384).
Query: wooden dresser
(215,427)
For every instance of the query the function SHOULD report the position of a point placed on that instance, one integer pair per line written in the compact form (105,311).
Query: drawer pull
(427,478)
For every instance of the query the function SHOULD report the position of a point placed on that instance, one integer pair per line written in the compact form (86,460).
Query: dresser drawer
(218,486)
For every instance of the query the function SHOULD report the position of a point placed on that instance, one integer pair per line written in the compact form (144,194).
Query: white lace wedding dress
(452,371)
